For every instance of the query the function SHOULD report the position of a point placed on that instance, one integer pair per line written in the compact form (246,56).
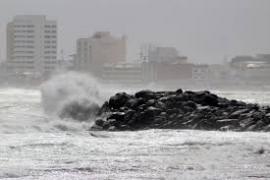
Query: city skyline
(205,33)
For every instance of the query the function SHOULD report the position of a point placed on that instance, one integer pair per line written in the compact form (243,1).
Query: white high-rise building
(31,45)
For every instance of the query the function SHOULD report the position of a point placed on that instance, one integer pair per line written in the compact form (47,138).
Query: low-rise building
(252,70)
(165,55)
(124,73)
(200,73)
(172,72)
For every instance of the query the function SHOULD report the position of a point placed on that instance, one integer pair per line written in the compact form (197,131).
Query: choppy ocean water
(35,145)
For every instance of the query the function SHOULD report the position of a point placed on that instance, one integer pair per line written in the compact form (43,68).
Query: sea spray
(71,95)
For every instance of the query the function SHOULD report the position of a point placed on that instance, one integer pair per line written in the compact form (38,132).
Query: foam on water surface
(37,145)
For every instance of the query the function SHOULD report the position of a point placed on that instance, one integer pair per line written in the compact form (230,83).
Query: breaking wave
(71,94)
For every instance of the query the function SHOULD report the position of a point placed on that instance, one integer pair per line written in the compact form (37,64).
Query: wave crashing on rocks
(71,95)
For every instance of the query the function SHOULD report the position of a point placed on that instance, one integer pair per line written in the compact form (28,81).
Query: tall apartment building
(31,45)
(102,48)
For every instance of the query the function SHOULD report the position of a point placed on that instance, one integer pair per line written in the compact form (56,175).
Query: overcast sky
(203,30)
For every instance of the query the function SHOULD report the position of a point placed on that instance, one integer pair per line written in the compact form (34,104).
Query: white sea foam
(34,145)
(67,88)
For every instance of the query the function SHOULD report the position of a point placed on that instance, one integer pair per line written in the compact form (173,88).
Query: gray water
(35,145)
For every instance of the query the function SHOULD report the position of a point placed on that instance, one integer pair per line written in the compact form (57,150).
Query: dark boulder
(246,123)
(152,111)
(118,116)
(133,102)
(225,122)
(238,113)
(210,99)
(179,91)
(267,128)
(150,102)
(204,124)
(172,111)
(99,122)
(237,103)
(258,115)
(205,98)
(118,100)
(190,104)
(145,94)
(228,128)
(112,128)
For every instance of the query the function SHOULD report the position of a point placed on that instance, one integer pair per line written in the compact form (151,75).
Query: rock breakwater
(201,110)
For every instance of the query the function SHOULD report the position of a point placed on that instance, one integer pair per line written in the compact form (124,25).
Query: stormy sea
(36,144)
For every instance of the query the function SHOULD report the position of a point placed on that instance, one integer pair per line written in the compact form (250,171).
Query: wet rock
(129,114)
(118,100)
(124,127)
(226,122)
(160,105)
(106,125)
(150,102)
(145,94)
(99,122)
(237,103)
(237,113)
(222,105)
(204,124)
(258,115)
(190,104)
(151,112)
(177,110)
(118,116)
(246,123)
(251,128)
(164,114)
(179,91)
(267,128)
(112,128)
(210,100)
(172,111)
(233,102)
(266,119)
(252,106)
(259,125)
(205,98)
(132,102)
(227,128)
(268,115)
